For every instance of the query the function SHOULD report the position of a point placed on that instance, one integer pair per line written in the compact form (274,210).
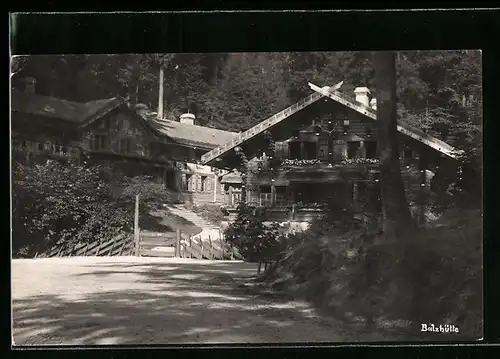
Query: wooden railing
(120,245)
(196,247)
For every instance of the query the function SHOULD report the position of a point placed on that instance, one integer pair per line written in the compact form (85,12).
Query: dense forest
(438,91)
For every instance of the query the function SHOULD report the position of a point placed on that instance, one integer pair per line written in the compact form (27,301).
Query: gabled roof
(190,135)
(333,94)
(53,107)
(82,114)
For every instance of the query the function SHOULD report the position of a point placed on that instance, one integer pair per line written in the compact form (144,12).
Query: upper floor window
(265,196)
(125,145)
(310,150)
(352,149)
(236,198)
(204,184)
(371,149)
(281,200)
(188,185)
(99,142)
(408,154)
(105,124)
(294,150)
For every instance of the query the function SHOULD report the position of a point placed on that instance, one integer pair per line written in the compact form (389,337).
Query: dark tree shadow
(170,303)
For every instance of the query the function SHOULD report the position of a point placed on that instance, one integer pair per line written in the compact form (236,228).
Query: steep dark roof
(48,106)
(84,113)
(191,135)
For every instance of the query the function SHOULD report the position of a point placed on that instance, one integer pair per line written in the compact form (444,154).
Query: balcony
(314,169)
(46,149)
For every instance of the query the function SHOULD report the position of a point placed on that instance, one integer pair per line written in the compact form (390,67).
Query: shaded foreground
(129,300)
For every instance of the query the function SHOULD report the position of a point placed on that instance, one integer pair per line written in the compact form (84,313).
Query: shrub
(53,203)
(254,240)
(434,277)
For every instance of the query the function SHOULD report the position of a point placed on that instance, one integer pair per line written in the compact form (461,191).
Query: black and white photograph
(246,198)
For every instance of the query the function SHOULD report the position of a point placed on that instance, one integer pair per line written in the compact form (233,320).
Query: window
(368,130)
(105,124)
(342,123)
(125,145)
(266,199)
(236,198)
(371,149)
(204,184)
(99,142)
(310,150)
(408,154)
(265,196)
(352,149)
(323,149)
(281,196)
(294,150)
(187,184)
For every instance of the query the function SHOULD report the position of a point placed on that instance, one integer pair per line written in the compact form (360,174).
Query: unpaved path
(129,300)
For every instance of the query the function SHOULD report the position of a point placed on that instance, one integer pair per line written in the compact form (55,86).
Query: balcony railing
(45,148)
(287,163)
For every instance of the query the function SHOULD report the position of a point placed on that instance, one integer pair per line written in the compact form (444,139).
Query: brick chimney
(362,95)
(187,118)
(29,85)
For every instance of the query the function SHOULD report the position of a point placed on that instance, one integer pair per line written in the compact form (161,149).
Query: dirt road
(129,300)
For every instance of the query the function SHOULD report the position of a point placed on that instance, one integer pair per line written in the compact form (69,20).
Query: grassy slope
(163,220)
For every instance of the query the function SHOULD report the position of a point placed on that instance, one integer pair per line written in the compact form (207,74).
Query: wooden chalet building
(113,131)
(325,149)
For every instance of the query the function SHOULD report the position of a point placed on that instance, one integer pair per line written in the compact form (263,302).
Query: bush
(52,203)
(433,278)
(255,241)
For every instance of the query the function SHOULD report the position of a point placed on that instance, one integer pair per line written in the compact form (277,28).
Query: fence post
(99,248)
(86,248)
(121,249)
(136,226)
(211,247)
(190,247)
(201,246)
(177,243)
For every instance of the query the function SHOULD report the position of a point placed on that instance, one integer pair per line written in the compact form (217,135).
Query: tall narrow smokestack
(160,97)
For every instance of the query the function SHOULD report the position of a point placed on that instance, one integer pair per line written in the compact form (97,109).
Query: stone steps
(204,198)
(180,211)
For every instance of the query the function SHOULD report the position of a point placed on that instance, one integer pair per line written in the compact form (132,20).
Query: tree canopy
(438,91)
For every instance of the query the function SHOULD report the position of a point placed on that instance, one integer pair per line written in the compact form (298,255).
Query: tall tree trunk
(398,221)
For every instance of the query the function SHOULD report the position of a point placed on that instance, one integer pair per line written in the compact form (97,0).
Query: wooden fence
(177,244)
(147,244)
(120,245)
